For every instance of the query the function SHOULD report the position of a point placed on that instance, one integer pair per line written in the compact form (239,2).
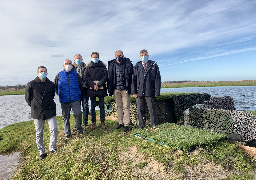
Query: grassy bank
(12,92)
(140,154)
(209,84)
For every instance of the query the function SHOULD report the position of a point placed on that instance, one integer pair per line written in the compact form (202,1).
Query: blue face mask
(95,60)
(78,61)
(144,58)
(42,75)
(119,58)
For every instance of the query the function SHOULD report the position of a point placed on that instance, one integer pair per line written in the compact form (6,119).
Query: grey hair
(77,55)
(67,60)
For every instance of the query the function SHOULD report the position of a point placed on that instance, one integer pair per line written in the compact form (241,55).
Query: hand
(96,87)
(135,95)
(156,95)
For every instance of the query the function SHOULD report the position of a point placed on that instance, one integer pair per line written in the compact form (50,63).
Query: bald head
(119,53)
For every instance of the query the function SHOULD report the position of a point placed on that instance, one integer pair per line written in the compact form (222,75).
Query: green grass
(209,84)
(12,92)
(96,154)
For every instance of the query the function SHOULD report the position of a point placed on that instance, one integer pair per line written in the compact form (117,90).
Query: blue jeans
(102,108)
(85,106)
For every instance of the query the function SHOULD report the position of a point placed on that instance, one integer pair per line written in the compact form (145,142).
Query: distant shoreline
(165,85)
(209,84)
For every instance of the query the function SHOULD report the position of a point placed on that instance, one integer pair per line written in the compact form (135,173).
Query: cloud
(57,55)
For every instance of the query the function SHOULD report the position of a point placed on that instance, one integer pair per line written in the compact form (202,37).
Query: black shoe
(80,133)
(68,136)
(53,151)
(42,156)
(119,126)
(126,129)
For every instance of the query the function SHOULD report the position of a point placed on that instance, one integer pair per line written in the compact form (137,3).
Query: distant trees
(17,87)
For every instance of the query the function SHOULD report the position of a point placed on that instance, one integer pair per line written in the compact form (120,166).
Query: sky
(197,40)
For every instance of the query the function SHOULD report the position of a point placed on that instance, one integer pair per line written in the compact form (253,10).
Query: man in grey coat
(145,87)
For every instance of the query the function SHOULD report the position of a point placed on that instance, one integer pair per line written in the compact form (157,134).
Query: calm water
(13,108)
(244,96)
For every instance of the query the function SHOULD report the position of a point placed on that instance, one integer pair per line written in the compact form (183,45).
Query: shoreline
(166,85)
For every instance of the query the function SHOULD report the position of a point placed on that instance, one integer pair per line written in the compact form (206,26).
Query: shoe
(119,126)
(53,151)
(103,125)
(42,156)
(80,133)
(68,136)
(126,129)
(93,125)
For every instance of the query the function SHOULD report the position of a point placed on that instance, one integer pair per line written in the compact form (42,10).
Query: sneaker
(119,126)
(93,125)
(68,136)
(53,151)
(42,156)
(126,129)
(103,125)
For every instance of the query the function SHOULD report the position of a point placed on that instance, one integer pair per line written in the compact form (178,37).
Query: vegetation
(12,92)
(209,84)
(108,154)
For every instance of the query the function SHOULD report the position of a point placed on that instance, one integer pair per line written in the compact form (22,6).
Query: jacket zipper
(69,88)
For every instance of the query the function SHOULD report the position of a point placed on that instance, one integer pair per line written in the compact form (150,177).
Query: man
(79,67)
(120,72)
(145,87)
(67,85)
(39,95)
(96,76)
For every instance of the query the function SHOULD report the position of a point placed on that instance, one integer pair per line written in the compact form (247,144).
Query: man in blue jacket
(68,86)
(145,87)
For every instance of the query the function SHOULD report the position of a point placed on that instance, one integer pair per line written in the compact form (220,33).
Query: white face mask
(68,68)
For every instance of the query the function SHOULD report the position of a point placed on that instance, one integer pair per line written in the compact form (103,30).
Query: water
(14,108)
(244,96)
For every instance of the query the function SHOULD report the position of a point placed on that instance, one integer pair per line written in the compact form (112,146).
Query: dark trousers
(85,106)
(101,105)
(76,108)
(141,103)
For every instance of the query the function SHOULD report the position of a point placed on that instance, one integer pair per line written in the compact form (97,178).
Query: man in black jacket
(145,87)
(39,95)
(96,76)
(120,72)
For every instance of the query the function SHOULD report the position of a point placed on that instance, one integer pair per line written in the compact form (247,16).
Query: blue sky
(190,39)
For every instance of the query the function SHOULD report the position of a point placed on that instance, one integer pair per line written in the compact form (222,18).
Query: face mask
(95,60)
(42,75)
(78,61)
(144,58)
(119,58)
(68,68)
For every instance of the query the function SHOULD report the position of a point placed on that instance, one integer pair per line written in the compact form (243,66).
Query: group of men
(79,82)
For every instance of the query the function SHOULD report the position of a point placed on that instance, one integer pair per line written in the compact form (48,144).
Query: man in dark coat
(79,67)
(68,85)
(96,76)
(145,87)
(39,95)
(120,72)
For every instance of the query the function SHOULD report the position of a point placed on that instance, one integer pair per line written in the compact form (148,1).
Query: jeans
(85,106)
(101,105)
(39,126)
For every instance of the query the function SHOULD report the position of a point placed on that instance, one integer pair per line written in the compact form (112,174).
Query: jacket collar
(38,80)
